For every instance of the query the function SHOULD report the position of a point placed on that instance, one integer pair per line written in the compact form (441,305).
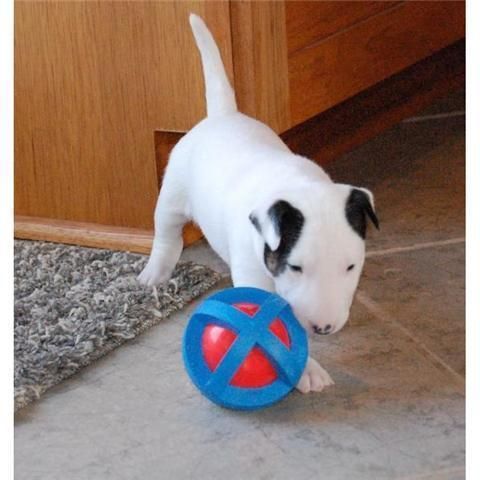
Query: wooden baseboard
(92,235)
(360,118)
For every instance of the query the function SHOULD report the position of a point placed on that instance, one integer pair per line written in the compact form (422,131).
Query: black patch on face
(288,222)
(357,208)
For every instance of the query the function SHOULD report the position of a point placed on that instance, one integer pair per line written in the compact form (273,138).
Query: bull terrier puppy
(276,218)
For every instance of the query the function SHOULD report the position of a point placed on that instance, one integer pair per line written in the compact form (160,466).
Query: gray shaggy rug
(74,305)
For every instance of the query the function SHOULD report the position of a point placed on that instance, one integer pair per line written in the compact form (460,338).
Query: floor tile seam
(383,316)
(414,247)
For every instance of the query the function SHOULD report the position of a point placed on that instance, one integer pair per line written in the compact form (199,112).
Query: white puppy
(276,218)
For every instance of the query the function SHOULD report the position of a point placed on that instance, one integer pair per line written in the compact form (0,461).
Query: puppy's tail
(218,91)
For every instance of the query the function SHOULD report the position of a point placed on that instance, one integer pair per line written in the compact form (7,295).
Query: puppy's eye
(350,267)
(296,268)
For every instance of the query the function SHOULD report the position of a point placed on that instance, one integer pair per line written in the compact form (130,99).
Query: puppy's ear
(280,224)
(267,228)
(360,205)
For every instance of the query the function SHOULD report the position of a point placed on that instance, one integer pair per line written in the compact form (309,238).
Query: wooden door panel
(93,81)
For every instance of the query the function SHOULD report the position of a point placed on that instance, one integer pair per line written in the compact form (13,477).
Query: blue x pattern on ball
(250,331)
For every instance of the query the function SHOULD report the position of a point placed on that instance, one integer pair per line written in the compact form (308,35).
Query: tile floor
(397,409)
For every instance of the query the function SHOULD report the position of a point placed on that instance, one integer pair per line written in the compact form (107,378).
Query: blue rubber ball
(244,349)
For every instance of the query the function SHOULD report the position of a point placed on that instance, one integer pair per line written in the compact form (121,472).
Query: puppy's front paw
(314,378)
(154,274)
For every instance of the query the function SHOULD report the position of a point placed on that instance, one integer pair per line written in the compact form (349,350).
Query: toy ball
(244,349)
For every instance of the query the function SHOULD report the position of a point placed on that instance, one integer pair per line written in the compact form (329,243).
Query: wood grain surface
(93,80)
(259,45)
(309,22)
(342,65)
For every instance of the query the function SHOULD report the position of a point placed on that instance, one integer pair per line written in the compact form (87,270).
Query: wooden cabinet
(95,80)
(384,38)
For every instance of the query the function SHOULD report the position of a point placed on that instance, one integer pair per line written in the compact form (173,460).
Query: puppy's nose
(322,331)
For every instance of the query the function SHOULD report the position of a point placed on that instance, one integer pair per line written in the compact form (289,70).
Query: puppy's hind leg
(170,217)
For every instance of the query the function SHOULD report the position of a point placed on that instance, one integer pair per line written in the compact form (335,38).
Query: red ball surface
(256,370)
